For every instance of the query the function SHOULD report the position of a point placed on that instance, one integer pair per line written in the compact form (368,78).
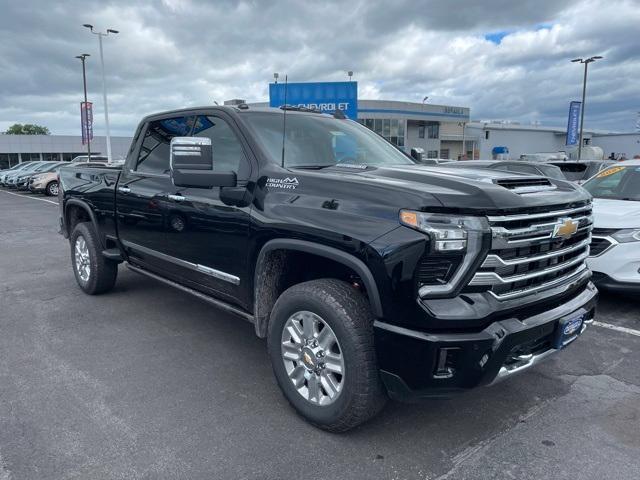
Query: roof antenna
(284,119)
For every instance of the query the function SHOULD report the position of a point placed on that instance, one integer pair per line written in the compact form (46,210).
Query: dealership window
(432,154)
(8,160)
(444,153)
(51,157)
(486,134)
(421,131)
(391,129)
(433,130)
(30,157)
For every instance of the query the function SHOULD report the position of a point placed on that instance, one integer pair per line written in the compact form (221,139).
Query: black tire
(348,314)
(50,186)
(102,272)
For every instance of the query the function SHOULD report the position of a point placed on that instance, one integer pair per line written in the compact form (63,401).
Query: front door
(142,196)
(208,231)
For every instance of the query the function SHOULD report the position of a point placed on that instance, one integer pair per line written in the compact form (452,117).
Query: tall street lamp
(84,84)
(586,62)
(104,83)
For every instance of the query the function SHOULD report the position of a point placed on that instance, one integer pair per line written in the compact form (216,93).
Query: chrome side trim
(218,303)
(494,260)
(220,275)
(576,276)
(556,213)
(612,243)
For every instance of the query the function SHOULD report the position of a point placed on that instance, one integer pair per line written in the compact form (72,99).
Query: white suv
(615,247)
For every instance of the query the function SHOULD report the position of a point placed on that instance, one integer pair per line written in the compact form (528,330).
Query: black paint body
(351,211)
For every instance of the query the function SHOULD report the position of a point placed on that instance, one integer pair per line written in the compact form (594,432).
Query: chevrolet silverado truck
(370,276)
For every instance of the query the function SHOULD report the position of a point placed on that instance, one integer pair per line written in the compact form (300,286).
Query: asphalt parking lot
(148,382)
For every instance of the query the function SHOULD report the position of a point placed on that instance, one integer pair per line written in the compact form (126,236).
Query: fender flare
(85,206)
(331,253)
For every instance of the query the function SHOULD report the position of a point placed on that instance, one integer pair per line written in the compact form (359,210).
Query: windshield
(552,171)
(620,183)
(317,140)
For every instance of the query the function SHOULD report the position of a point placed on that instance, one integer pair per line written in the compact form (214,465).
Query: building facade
(15,149)
(437,129)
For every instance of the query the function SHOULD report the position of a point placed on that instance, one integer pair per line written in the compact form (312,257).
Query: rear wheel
(94,273)
(52,188)
(322,353)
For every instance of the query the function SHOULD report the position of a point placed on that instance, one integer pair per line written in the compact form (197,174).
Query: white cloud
(180,53)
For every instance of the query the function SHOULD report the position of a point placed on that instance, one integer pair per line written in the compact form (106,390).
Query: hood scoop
(522,185)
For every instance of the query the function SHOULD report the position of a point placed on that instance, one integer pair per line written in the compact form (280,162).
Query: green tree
(27,129)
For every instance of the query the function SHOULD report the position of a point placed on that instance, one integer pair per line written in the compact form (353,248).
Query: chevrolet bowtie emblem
(566,228)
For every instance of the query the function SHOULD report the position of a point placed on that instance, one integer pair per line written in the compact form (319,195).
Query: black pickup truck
(369,275)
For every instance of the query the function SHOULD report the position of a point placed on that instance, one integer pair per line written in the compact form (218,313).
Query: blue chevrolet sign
(324,96)
(573,124)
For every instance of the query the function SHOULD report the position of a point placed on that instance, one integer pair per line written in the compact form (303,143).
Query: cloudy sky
(505,59)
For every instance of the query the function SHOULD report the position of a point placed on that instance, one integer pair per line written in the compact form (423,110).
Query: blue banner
(326,97)
(573,124)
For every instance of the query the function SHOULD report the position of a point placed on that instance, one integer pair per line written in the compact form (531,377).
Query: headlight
(627,235)
(449,235)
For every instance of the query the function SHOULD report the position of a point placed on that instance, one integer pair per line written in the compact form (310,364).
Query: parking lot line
(32,198)
(630,331)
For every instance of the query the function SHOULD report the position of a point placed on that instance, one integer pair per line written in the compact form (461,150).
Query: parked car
(516,166)
(21,167)
(583,170)
(47,183)
(11,178)
(94,158)
(615,246)
(17,166)
(369,277)
(22,180)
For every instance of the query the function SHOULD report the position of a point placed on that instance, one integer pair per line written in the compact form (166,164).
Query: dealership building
(23,148)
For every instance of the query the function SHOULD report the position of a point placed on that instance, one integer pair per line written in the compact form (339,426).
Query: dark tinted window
(154,152)
(227,149)
(618,182)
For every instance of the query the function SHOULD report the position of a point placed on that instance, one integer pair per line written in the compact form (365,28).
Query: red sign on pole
(86,116)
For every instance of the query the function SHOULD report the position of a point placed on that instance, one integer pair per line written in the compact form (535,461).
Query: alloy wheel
(313,358)
(83,262)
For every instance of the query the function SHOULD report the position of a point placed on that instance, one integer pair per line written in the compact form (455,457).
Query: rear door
(208,229)
(142,194)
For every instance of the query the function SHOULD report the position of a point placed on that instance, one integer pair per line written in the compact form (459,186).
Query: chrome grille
(529,252)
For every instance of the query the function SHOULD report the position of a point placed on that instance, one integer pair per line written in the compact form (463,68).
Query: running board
(218,303)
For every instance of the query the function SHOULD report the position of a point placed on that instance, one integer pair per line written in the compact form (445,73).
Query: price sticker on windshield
(609,171)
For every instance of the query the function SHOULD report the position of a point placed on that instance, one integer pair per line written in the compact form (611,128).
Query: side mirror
(416,154)
(191,163)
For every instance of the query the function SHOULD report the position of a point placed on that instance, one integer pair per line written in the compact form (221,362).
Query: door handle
(124,189)
(177,198)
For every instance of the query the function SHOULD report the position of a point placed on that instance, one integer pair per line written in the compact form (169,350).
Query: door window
(228,155)
(154,152)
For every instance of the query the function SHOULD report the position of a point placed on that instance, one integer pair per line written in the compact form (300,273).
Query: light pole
(84,84)
(350,73)
(275,77)
(104,84)
(586,62)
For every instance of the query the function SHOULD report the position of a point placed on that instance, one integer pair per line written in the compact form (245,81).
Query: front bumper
(618,265)
(411,362)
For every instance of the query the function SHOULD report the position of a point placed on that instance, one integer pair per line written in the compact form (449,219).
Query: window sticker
(609,171)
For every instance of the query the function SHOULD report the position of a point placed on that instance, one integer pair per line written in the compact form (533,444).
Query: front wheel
(94,273)
(52,189)
(322,352)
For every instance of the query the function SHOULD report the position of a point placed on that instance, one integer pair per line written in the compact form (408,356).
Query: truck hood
(609,213)
(455,188)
